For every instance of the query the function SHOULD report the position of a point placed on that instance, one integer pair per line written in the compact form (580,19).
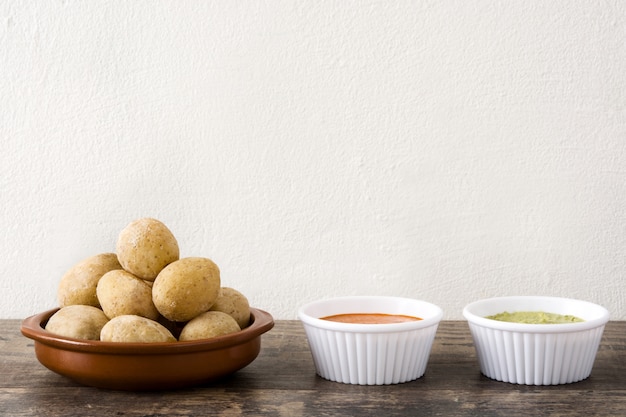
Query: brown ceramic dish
(146,366)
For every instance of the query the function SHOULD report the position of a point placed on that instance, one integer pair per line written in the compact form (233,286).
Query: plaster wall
(446,151)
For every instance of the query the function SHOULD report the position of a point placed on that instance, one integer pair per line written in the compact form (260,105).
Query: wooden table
(282,382)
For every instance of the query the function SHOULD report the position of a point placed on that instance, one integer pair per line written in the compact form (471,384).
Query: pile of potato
(146,293)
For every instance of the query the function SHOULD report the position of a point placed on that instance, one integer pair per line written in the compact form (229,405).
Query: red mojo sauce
(370,318)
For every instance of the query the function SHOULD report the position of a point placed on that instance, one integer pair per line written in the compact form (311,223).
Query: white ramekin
(536,354)
(370,354)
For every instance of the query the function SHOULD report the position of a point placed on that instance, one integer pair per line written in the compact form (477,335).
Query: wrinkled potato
(135,329)
(186,288)
(122,293)
(145,247)
(233,303)
(208,325)
(145,293)
(78,284)
(78,321)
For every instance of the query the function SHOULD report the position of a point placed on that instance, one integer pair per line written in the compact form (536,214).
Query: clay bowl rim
(33,328)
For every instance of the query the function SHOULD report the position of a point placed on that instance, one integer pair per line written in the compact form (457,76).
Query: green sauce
(535,317)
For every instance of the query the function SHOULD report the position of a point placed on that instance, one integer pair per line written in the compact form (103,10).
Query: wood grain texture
(282,382)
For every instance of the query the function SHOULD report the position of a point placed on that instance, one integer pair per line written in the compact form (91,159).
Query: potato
(78,284)
(145,247)
(233,303)
(135,329)
(208,325)
(78,321)
(122,293)
(186,288)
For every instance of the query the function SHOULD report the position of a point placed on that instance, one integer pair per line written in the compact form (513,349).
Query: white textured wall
(446,151)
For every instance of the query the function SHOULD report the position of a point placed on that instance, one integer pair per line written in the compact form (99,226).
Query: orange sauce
(370,318)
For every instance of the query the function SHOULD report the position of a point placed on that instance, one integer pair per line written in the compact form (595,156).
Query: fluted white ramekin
(536,354)
(370,354)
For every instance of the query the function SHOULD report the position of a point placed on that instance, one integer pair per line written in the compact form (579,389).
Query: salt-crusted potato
(122,293)
(208,325)
(78,284)
(78,321)
(186,288)
(134,329)
(145,247)
(233,303)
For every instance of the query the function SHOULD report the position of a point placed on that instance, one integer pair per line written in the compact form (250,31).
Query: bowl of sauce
(370,340)
(536,340)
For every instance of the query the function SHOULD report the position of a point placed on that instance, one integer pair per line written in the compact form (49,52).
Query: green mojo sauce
(535,317)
